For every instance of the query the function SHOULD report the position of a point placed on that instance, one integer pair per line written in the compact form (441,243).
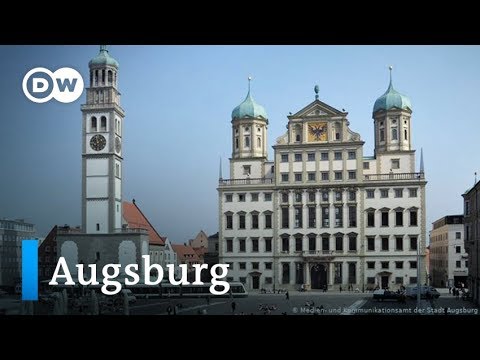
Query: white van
(411,291)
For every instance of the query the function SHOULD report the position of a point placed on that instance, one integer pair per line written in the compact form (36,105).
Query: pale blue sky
(178,101)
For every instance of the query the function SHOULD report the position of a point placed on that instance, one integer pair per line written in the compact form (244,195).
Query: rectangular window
(366,165)
(242,247)
(247,169)
(352,216)
(384,243)
(337,278)
(254,221)
(285,273)
(370,194)
(254,245)
(413,264)
(242,266)
(325,217)
(338,216)
(285,198)
(339,243)
(338,175)
(298,177)
(241,197)
(398,193)
(398,280)
(268,244)
(298,197)
(285,220)
(384,218)
(268,266)
(352,155)
(241,221)
(229,245)
(268,221)
(370,280)
(352,196)
(298,243)
(298,157)
(324,175)
(268,280)
(229,222)
(324,195)
(458,249)
(371,219)
(228,197)
(352,175)
(312,243)
(384,193)
(395,163)
(337,155)
(284,177)
(398,243)
(412,192)
(324,156)
(338,195)
(398,264)
(370,243)
(413,279)
(298,217)
(311,197)
(254,196)
(243,279)
(370,264)
(413,243)
(325,243)
(311,176)
(311,156)
(255,266)
(413,218)
(352,273)
(284,158)
(267,196)
(352,243)
(285,243)
(399,218)
(312,216)
(458,235)
(384,264)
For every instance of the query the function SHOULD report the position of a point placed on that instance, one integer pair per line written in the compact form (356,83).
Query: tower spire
(422,169)
(249,81)
(390,85)
(103,48)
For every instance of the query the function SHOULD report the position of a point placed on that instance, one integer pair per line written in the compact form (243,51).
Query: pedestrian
(340,288)
(234,305)
(287,296)
(449,289)
(169,310)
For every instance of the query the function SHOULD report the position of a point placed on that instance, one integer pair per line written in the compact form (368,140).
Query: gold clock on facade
(98,142)
(317,131)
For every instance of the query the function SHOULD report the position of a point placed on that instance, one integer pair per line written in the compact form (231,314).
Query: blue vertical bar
(30,270)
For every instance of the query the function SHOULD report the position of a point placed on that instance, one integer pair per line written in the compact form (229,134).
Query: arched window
(236,143)
(91,78)
(93,123)
(110,77)
(259,143)
(247,141)
(298,133)
(103,77)
(116,126)
(103,123)
(394,134)
(96,77)
(405,133)
(382,135)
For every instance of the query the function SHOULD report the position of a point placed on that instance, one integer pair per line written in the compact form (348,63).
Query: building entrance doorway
(256,282)
(319,276)
(384,281)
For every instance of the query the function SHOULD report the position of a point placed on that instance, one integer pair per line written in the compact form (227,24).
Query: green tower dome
(249,108)
(392,99)
(103,58)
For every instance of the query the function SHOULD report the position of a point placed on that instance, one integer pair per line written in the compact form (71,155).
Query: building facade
(12,232)
(448,259)
(103,239)
(471,199)
(321,213)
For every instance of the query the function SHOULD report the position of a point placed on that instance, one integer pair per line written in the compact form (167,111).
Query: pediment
(316,109)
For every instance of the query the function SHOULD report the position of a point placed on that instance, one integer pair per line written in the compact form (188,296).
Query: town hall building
(322,214)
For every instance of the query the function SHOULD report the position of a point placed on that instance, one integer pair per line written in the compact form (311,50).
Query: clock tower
(102,148)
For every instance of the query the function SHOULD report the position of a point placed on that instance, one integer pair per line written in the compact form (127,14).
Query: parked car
(425,292)
(383,294)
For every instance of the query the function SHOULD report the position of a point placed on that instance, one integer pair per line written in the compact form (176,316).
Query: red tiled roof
(184,250)
(135,219)
(200,251)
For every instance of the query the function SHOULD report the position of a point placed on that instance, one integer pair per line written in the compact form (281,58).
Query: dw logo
(41,85)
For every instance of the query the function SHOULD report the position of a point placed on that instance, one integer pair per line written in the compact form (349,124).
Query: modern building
(103,240)
(322,213)
(12,232)
(448,259)
(471,199)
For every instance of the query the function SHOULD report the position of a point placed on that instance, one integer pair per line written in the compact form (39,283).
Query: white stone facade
(327,216)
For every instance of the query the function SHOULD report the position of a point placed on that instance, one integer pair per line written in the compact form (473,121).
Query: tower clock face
(98,142)
(118,144)
(317,131)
